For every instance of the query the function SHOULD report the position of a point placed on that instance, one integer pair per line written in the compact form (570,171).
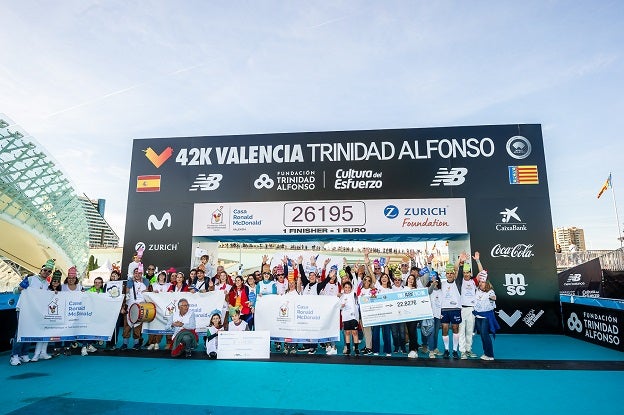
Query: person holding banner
(309,287)
(237,324)
(19,351)
(71,281)
(398,329)
(134,294)
(382,286)
(238,298)
(350,318)
(485,304)
(212,338)
(114,288)
(179,285)
(41,348)
(200,283)
(365,289)
(183,324)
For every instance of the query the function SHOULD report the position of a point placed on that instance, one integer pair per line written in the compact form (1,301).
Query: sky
(85,78)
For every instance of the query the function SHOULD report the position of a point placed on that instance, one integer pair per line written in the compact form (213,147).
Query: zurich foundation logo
(391,211)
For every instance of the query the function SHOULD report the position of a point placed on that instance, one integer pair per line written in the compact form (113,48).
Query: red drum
(141,312)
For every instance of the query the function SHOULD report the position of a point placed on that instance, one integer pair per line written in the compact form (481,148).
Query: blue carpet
(100,384)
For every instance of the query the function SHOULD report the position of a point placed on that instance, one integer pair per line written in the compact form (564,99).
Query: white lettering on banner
(598,327)
(396,307)
(517,251)
(158,224)
(338,217)
(531,317)
(515,284)
(67,316)
(299,318)
(448,148)
(203,304)
(337,152)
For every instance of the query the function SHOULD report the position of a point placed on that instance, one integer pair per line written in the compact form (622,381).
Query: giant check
(395,307)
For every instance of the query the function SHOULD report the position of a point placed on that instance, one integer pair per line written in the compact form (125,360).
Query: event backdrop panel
(365,179)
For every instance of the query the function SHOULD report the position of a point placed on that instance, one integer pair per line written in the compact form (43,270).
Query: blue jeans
(398,335)
(386,336)
(484,331)
(432,340)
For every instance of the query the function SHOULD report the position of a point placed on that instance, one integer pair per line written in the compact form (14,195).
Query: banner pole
(617,217)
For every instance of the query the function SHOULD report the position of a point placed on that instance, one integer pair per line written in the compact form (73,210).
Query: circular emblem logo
(518,147)
(391,211)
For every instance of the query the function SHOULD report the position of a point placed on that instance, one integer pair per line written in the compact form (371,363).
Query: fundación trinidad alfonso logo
(158,159)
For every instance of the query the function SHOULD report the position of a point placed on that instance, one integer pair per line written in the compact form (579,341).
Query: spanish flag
(605,186)
(148,183)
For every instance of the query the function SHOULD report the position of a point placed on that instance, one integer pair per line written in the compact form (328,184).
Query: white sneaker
(484,357)
(332,351)
(35,358)
(412,354)
(91,348)
(24,358)
(44,356)
(15,360)
(151,347)
(83,351)
(156,347)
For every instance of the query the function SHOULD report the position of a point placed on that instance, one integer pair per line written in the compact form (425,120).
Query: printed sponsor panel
(498,171)
(599,325)
(432,216)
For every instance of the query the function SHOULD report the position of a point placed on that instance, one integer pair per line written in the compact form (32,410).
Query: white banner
(395,307)
(299,318)
(244,345)
(67,316)
(392,216)
(203,304)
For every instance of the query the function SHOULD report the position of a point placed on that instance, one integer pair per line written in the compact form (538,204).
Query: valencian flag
(523,175)
(605,186)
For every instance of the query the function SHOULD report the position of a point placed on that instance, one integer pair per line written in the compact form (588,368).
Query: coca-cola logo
(517,251)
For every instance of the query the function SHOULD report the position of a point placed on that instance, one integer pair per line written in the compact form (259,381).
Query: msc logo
(450,177)
(518,147)
(158,159)
(205,182)
(264,181)
(154,223)
(515,284)
(574,323)
(391,211)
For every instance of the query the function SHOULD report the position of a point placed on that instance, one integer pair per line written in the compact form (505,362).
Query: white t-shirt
(450,295)
(483,302)
(242,326)
(468,292)
(348,307)
(188,320)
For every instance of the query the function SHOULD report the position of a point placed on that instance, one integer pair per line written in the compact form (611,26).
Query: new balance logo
(205,182)
(450,177)
(154,223)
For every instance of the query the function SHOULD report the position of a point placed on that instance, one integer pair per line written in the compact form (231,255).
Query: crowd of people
(461,300)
